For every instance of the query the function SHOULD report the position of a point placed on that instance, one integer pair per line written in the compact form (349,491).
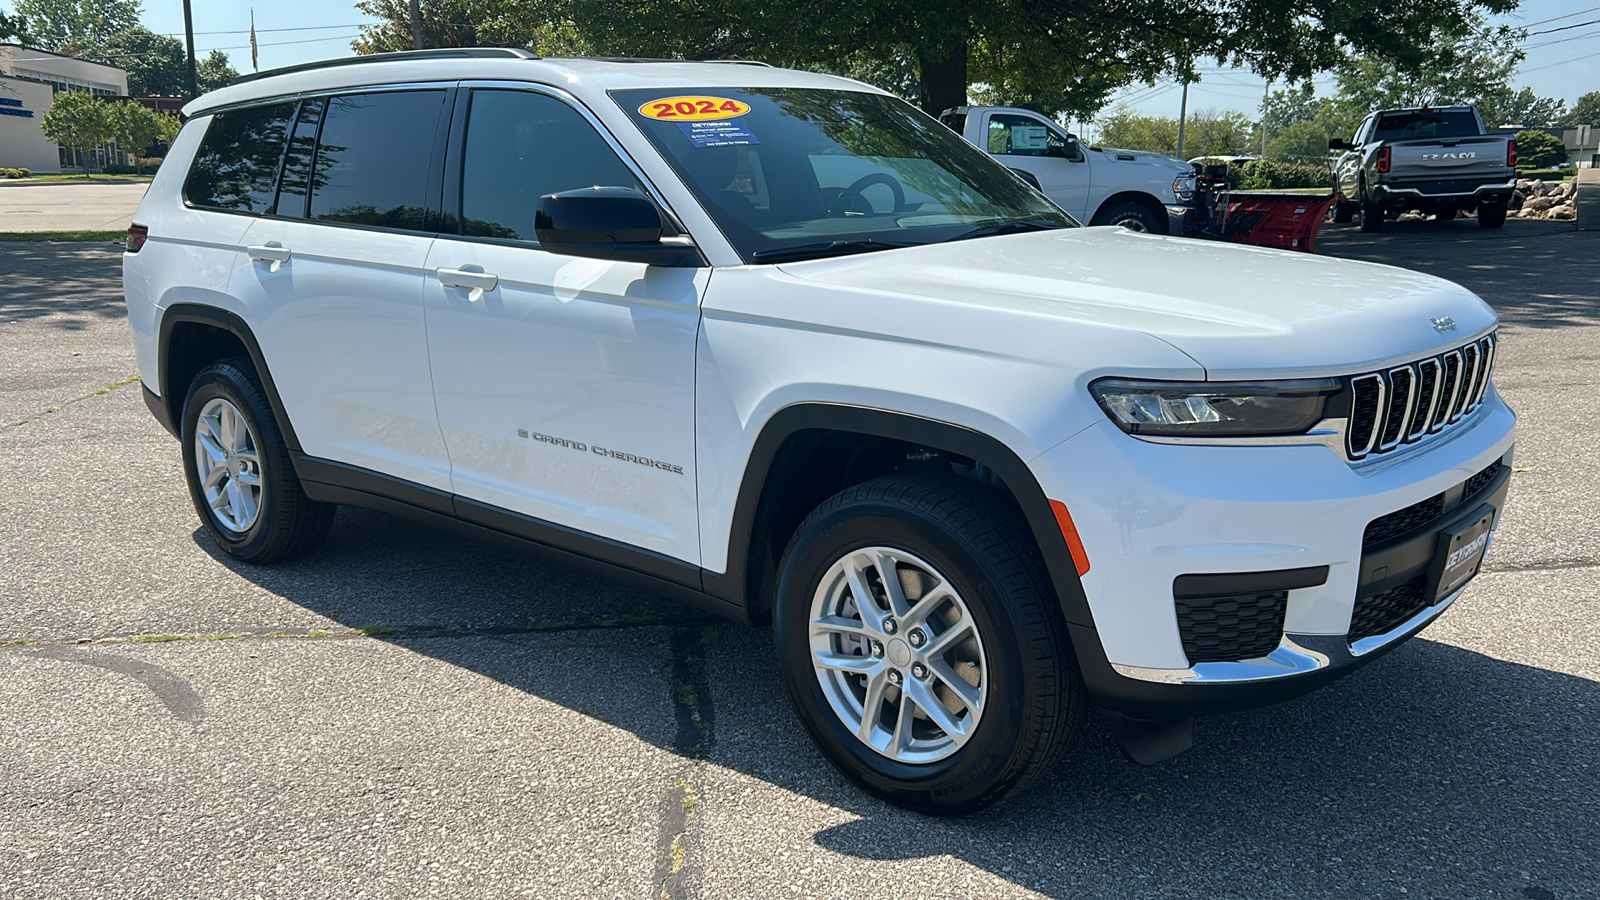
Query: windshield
(794,173)
(1407,126)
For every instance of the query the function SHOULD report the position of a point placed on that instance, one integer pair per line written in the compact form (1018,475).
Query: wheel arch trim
(1150,202)
(216,317)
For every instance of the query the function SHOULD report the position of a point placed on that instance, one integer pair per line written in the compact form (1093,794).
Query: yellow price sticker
(693,109)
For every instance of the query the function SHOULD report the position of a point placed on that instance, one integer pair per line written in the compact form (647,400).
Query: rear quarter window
(236,166)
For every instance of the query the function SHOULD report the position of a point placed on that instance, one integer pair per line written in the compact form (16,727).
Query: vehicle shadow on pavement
(66,283)
(1436,768)
(1497,265)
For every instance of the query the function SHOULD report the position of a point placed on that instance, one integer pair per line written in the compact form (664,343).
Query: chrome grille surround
(1459,380)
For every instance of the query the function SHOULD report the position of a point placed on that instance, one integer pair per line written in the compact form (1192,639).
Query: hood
(1143,157)
(1240,312)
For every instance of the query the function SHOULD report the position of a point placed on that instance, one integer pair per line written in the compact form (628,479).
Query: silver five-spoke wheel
(898,655)
(229,464)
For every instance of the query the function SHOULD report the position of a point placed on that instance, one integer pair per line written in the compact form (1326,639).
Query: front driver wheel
(1131,216)
(918,638)
(240,477)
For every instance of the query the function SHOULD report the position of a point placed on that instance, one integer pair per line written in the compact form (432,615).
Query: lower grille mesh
(1227,629)
(1381,612)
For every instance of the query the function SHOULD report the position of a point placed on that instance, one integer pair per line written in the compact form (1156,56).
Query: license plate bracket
(1461,551)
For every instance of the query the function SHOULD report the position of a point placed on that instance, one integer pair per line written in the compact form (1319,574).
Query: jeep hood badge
(1444,323)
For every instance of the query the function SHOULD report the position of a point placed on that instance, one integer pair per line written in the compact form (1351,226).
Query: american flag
(253,66)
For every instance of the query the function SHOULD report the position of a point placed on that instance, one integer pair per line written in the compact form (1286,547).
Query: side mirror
(615,223)
(1340,144)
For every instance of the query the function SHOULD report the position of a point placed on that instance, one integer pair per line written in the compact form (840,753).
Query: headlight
(1212,409)
(1183,187)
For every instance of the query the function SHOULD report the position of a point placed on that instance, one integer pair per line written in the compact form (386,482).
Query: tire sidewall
(224,381)
(1122,215)
(971,771)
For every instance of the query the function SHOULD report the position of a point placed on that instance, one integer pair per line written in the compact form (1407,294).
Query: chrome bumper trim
(1484,189)
(1297,654)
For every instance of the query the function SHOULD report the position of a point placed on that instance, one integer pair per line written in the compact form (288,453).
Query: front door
(565,386)
(1029,143)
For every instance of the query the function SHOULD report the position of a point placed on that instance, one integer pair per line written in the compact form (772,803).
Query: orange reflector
(1070,532)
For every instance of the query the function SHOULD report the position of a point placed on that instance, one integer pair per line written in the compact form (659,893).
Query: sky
(1561,63)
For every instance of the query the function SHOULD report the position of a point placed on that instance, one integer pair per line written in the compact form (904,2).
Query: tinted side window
(236,166)
(297,162)
(521,146)
(373,157)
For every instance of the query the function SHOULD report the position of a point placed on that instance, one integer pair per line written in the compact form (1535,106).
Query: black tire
(1035,702)
(1491,215)
(288,523)
(1344,213)
(1371,214)
(1131,216)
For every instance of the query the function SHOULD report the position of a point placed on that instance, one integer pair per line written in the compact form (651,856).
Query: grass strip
(115,237)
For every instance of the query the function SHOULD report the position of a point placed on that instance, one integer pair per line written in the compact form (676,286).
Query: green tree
(76,26)
(1206,133)
(156,64)
(1064,56)
(1302,142)
(12,29)
(169,125)
(1475,63)
(134,128)
(214,71)
(1520,107)
(1585,112)
(1539,150)
(79,120)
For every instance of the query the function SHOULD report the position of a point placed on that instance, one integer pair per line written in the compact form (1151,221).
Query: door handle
(273,253)
(461,278)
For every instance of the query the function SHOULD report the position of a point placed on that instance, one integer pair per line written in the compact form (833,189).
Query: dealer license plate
(1461,552)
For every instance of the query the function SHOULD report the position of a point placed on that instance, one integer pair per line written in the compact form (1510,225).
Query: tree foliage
(13,29)
(78,120)
(1585,112)
(156,64)
(1062,56)
(1539,150)
(75,26)
(1206,133)
(214,71)
(134,128)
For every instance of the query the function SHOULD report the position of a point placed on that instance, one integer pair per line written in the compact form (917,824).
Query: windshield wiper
(820,250)
(1010,226)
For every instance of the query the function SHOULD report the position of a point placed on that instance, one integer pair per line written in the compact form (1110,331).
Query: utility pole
(1265,94)
(1183,115)
(188,34)
(416,24)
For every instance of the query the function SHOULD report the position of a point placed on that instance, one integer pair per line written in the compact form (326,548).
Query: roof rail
(441,53)
(739,62)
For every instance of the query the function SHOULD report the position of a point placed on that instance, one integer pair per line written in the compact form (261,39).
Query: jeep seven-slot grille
(1381,612)
(1406,403)
(1421,513)
(1227,629)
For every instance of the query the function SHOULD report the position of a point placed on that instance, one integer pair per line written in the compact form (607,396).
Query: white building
(29,81)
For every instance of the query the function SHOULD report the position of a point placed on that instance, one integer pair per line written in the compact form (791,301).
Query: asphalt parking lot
(409,714)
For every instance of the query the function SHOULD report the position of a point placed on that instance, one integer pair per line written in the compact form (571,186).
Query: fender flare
(738,585)
(1140,198)
(217,317)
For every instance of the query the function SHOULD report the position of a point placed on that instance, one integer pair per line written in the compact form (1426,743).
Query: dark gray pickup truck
(1433,160)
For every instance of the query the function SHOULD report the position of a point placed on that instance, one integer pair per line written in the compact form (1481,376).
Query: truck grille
(1407,403)
(1227,629)
(1383,611)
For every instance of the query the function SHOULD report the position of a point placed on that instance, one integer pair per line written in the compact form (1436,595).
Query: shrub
(15,173)
(1264,174)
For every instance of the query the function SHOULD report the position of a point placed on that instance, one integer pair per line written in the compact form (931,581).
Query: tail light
(1511,152)
(137,235)
(1383,160)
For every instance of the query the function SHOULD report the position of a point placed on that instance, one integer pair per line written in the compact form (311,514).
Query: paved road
(407,714)
(69,206)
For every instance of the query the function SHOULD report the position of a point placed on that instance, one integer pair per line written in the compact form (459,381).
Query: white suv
(782,346)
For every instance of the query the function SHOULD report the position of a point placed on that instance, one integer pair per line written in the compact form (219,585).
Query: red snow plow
(1283,219)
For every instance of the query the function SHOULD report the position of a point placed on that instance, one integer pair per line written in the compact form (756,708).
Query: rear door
(333,276)
(1027,142)
(565,385)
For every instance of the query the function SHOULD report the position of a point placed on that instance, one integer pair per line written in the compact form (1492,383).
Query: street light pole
(188,34)
(1183,115)
(416,24)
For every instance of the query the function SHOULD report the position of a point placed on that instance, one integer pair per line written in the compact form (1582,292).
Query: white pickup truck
(1097,185)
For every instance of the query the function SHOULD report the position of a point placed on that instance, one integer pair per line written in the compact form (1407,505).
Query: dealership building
(29,81)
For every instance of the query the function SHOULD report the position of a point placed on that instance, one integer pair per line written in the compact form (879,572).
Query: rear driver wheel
(918,638)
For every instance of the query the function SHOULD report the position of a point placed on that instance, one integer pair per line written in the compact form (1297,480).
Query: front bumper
(1150,514)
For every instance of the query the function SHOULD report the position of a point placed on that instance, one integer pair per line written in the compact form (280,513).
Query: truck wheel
(1343,212)
(1131,216)
(919,640)
(1491,215)
(1371,214)
(240,477)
